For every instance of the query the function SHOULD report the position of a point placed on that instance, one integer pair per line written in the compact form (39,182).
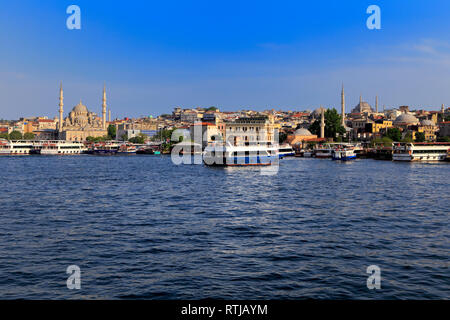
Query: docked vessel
(286,150)
(344,154)
(323,153)
(60,147)
(104,148)
(19,147)
(252,154)
(126,149)
(420,151)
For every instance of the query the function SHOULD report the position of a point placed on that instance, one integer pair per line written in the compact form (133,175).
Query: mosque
(81,123)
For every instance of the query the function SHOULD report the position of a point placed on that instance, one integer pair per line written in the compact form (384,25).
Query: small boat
(285,151)
(104,149)
(323,153)
(127,149)
(344,154)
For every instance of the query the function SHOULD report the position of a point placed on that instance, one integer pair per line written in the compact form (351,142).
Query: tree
(407,138)
(139,139)
(394,134)
(333,124)
(28,136)
(420,137)
(211,109)
(15,135)
(111,132)
(282,136)
(4,136)
(443,139)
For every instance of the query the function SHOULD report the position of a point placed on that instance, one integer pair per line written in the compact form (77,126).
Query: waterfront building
(81,123)
(209,133)
(245,129)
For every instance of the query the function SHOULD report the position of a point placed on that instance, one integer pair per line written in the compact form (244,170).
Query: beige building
(81,123)
(249,129)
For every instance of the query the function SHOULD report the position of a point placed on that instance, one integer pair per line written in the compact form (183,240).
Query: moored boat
(251,154)
(17,147)
(420,151)
(60,147)
(285,150)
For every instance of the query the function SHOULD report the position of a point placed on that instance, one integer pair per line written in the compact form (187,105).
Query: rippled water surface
(141,227)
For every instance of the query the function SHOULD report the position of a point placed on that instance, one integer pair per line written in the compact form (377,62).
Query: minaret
(360,100)
(343,106)
(109,115)
(376,104)
(443,109)
(61,104)
(322,122)
(104,107)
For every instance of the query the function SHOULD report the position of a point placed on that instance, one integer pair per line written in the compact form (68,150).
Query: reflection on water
(141,227)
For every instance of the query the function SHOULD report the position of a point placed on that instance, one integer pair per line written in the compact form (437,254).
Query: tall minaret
(376,104)
(104,107)
(322,122)
(61,104)
(109,115)
(343,106)
(360,100)
(443,109)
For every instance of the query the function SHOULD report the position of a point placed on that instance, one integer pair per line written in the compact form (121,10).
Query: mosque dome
(316,113)
(80,108)
(362,107)
(302,132)
(427,123)
(406,119)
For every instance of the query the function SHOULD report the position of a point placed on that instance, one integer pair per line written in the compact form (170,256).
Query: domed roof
(407,119)
(317,112)
(427,123)
(302,132)
(80,108)
(362,107)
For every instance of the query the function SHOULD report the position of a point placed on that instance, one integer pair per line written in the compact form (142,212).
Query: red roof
(45,120)
(3,129)
(204,124)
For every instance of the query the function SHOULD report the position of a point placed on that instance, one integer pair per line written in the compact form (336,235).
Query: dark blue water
(141,227)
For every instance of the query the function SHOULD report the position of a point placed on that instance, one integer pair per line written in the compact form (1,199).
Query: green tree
(4,136)
(15,135)
(28,136)
(139,139)
(407,138)
(111,132)
(420,137)
(333,124)
(443,139)
(282,136)
(394,134)
(211,109)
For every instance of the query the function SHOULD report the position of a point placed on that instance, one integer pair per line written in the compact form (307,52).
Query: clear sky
(155,55)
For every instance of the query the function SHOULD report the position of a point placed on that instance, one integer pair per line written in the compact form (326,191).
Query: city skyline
(289,57)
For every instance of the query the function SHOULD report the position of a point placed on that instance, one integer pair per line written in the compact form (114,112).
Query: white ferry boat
(423,151)
(344,151)
(19,147)
(61,147)
(323,152)
(252,154)
(286,150)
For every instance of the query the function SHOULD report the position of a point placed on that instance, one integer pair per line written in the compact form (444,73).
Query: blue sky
(155,55)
